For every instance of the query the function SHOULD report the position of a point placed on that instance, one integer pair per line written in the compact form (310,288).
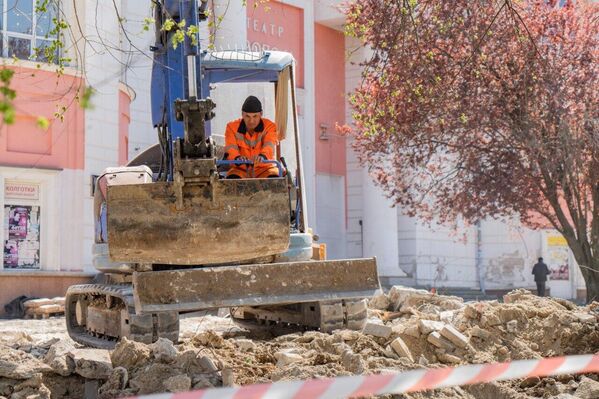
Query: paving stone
(401,348)
(428,326)
(453,335)
(377,330)
(436,339)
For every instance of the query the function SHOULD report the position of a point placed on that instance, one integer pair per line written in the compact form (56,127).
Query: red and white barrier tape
(409,381)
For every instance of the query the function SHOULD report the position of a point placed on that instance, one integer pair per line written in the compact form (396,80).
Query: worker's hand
(241,158)
(258,159)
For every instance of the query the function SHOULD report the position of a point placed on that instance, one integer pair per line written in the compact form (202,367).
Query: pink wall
(277,26)
(42,93)
(330,101)
(124,120)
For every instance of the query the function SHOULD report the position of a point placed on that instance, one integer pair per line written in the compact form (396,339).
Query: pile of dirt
(407,329)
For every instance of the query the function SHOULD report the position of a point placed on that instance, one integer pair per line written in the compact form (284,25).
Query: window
(23,30)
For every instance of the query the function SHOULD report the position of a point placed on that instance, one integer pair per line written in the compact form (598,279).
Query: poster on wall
(557,258)
(22,237)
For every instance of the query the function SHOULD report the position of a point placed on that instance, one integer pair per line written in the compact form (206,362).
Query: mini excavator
(173,235)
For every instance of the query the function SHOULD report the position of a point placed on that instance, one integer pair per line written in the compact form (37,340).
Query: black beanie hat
(252,105)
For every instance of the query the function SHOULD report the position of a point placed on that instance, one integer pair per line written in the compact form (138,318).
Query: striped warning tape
(395,383)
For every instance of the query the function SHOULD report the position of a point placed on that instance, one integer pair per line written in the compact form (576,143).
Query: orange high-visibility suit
(239,142)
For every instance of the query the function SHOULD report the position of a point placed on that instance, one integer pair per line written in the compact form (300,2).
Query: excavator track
(98,315)
(325,316)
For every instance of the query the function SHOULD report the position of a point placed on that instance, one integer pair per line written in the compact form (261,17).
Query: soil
(36,359)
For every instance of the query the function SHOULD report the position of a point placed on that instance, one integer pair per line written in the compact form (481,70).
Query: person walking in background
(540,271)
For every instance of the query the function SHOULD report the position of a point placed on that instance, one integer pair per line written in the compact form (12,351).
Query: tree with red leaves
(475,108)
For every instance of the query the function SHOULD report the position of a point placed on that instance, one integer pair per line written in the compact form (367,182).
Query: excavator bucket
(224,221)
(254,285)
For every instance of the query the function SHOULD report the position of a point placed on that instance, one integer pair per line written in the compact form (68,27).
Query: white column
(380,229)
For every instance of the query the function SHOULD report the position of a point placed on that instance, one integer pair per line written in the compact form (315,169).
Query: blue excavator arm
(180,106)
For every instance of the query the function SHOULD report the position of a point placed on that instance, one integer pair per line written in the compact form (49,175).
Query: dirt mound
(407,329)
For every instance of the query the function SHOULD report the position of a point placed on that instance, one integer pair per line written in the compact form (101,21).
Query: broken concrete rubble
(226,357)
(377,330)
(92,363)
(453,335)
(401,348)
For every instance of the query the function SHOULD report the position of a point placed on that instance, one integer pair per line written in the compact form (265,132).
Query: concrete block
(436,339)
(428,326)
(377,330)
(453,335)
(401,348)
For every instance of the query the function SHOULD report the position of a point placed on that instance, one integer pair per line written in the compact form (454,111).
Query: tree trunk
(591,279)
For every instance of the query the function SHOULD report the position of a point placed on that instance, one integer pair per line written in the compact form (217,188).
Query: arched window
(25,31)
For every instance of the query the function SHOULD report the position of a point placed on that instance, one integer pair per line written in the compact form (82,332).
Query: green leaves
(7,95)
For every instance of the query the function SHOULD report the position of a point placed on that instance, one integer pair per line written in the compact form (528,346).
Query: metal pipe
(192,79)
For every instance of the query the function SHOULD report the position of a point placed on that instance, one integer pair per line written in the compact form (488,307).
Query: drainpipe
(478,259)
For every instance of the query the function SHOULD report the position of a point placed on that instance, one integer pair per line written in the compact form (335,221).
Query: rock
(529,382)
(436,339)
(587,389)
(201,382)
(563,396)
(208,364)
(453,335)
(412,331)
(399,294)
(92,363)
(57,358)
(178,383)
(471,311)
(150,378)
(428,326)
(41,392)
(228,377)
(352,362)
(209,339)
(379,301)
(476,331)
(377,330)
(446,316)
(245,345)
(116,382)
(512,326)
(340,348)
(19,365)
(286,357)
(503,351)
(489,320)
(448,359)
(163,350)
(586,318)
(130,354)
(423,361)
(401,348)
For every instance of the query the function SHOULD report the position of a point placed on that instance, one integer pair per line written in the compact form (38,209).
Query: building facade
(47,174)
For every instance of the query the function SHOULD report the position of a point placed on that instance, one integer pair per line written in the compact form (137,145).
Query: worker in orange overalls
(251,138)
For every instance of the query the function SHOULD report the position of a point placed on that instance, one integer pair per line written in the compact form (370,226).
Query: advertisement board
(21,236)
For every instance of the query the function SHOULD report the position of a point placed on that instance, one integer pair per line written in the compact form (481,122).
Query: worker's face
(251,119)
